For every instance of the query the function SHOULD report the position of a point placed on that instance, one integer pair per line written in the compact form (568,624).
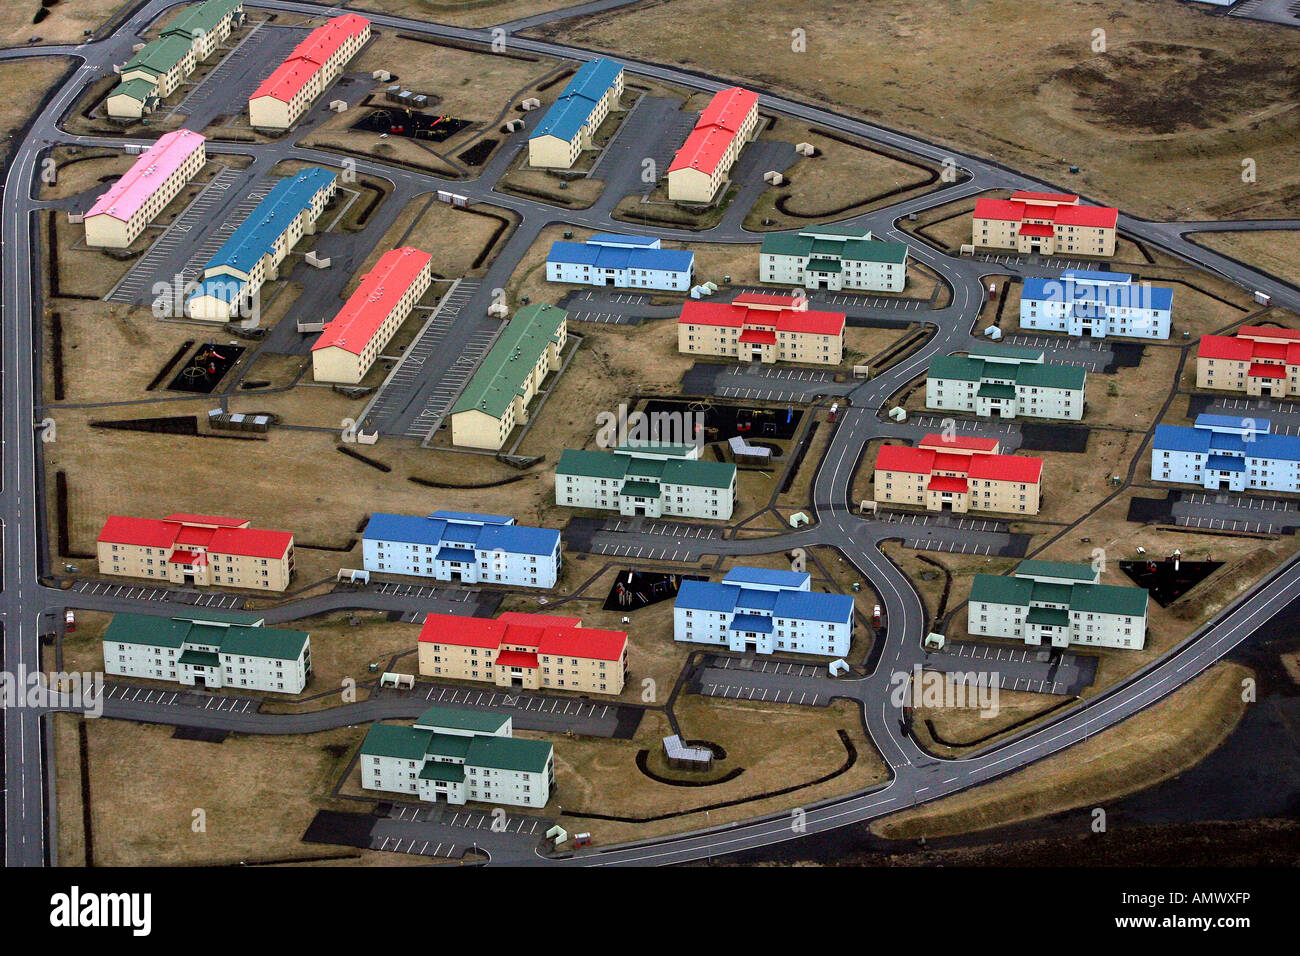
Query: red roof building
(1048,223)
(531,651)
(305,73)
(770,328)
(353,339)
(724,126)
(959,474)
(196,549)
(1259,360)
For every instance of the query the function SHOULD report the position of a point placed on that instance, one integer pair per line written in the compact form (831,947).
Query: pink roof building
(147,175)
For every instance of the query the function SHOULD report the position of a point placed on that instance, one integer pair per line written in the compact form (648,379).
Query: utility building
(253,253)
(527,651)
(192,549)
(1226,453)
(1260,360)
(700,167)
(762,328)
(1096,304)
(623,262)
(1056,604)
(209,649)
(458,756)
(308,71)
(1000,381)
(568,126)
(1050,224)
(496,398)
(123,211)
(651,479)
(158,68)
(833,257)
(352,341)
(958,474)
(755,610)
(468,548)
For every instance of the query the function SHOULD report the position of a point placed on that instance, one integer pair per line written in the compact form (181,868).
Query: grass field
(1159,121)
(1276,252)
(65,23)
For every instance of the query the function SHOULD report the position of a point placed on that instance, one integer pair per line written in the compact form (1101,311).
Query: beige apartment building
(496,399)
(525,651)
(700,167)
(764,328)
(1044,223)
(158,174)
(202,550)
(568,126)
(307,72)
(1260,361)
(959,475)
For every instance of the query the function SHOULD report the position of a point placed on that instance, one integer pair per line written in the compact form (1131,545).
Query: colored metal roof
(512,358)
(1001,589)
(202,18)
(623,239)
(1087,293)
(1018,468)
(487,536)
(509,753)
(257,235)
(954,443)
(1225,463)
(600,256)
(1266,370)
(307,58)
(521,659)
(767,577)
(443,770)
(159,56)
(813,243)
(153,533)
(355,325)
(596,464)
(950,485)
(137,89)
(1061,209)
(137,185)
(1048,617)
(1062,570)
(1109,599)
(956,367)
(573,107)
(1028,195)
(731,315)
(787,603)
(544,634)
(999,392)
(247,639)
(1037,229)
(751,623)
(456,718)
(389,740)
(717,127)
(198,658)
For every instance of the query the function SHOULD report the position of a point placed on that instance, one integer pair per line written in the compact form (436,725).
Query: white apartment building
(457,546)
(654,480)
(211,649)
(763,611)
(1001,381)
(458,756)
(621,262)
(833,257)
(1226,453)
(1096,304)
(1057,604)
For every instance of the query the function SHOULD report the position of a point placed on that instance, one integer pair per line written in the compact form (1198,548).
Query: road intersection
(29,608)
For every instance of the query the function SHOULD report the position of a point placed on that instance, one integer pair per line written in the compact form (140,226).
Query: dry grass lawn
(1147,120)
(65,24)
(1276,252)
(454,237)
(468,13)
(1154,745)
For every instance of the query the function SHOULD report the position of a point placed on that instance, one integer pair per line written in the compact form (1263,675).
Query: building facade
(762,611)
(700,167)
(458,756)
(1096,304)
(354,338)
(999,381)
(234,276)
(958,474)
(568,126)
(156,70)
(497,396)
(307,72)
(457,546)
(654,480)
(1056,604)
(158,174)
(1260,360)
(524,651)
(833,257)
(1049,224)
(211,649)
(1226,453)
(762,328)
(621,262)
(199,550)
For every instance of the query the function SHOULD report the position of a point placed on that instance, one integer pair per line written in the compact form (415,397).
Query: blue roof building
(624,262)
(567,127)
(456,546)
(758,610)
(1226,453)
(1091,303)
(255,249)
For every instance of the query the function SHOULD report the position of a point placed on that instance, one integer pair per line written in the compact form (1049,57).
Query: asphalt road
(917,777)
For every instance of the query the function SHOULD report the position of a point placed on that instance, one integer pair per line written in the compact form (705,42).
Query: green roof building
(1002,381)
(458,755)
(833,257)
(1057,604)
(496,398)
(208,648)
(647,479)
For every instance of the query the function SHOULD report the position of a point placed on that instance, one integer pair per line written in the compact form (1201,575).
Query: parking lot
(1094,355)
(848,300)
(417,847)
(1017,668)
(787,668)
(647,552)
(943,521)
(763,695)
(227,88)
(1230,524)
(136,592)
(990,429)
(533,704)
(652,131)
(671,528)
(1047,262)
(187,697)
(423,591)
(1255,406)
